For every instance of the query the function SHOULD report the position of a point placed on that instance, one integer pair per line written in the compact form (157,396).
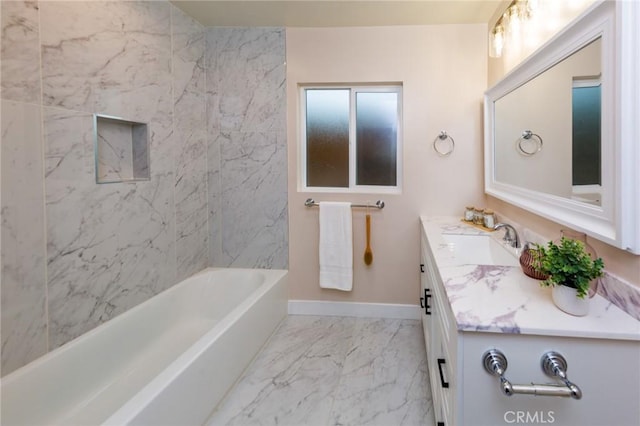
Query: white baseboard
(353,309)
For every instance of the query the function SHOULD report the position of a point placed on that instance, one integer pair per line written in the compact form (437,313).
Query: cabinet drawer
(445,318)
(440,309)
(445,380)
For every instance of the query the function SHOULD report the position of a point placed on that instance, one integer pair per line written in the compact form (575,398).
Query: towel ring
(529,136)
(441,139)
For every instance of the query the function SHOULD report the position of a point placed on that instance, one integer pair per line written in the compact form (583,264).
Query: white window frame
(302,145)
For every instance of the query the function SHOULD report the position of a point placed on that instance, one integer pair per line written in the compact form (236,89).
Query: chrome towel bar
(553,365)
(378,205)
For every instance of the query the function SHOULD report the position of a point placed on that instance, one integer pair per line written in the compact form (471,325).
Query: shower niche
(121,150)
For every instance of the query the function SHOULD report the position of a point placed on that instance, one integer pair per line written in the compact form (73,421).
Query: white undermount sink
(479,250)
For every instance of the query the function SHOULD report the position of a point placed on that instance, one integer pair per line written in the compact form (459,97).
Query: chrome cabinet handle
(553,364)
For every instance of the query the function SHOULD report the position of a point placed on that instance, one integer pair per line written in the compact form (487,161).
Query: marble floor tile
(384,380)
(334,371)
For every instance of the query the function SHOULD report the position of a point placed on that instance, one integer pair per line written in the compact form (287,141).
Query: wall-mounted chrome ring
(529,138)
(442,139)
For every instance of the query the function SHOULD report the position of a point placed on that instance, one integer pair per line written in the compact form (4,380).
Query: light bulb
(513,40)
(496,42)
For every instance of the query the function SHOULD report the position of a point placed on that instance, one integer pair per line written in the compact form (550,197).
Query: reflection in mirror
(586,170)
(579,92)
(561,105)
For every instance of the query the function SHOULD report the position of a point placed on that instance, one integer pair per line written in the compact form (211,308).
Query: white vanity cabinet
(440,338)
(602,350)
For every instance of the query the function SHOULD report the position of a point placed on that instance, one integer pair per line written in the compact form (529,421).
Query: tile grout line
(44,189)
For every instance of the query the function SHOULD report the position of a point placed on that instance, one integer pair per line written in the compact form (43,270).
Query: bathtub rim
(78,340)
(172,370)
(136,404)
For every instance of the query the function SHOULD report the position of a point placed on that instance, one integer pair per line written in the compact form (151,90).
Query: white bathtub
(168,361)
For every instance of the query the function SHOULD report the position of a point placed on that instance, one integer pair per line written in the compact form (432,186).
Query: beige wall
(618,262)
(443,70)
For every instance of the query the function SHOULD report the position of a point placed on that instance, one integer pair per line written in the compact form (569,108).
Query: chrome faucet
(510,235)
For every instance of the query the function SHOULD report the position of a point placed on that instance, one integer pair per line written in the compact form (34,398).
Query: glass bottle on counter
(489,219)
(469,213)
(478,216)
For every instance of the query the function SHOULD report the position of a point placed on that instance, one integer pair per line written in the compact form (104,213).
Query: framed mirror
(554,138)
(568,147)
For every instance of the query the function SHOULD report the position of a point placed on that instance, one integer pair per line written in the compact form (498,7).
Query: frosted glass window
(376,138)
(327,130)
(586,118)
(351,138)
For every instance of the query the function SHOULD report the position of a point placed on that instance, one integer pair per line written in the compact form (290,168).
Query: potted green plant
(570,269)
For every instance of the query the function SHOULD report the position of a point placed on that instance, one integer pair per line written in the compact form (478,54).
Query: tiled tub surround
(334,371)
(502,299)
(24,283)
(169,360)
(247,147)
(21,72)
(106,247)
(24,304)
(190,165)
(76,254)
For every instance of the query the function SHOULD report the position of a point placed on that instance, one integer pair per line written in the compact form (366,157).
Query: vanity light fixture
(496,41)
(521,28)
(510,26)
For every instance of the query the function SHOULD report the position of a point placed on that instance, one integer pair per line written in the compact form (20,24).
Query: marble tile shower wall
(246,107)
(74,253)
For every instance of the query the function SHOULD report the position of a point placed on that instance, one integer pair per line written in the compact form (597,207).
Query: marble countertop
(502,299)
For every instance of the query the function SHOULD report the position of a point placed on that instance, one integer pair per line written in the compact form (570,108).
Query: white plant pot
(567,300)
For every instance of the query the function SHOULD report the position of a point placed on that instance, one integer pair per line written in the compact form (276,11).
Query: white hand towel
(336,246)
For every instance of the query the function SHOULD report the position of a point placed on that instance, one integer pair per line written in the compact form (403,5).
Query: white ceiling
(337,13)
